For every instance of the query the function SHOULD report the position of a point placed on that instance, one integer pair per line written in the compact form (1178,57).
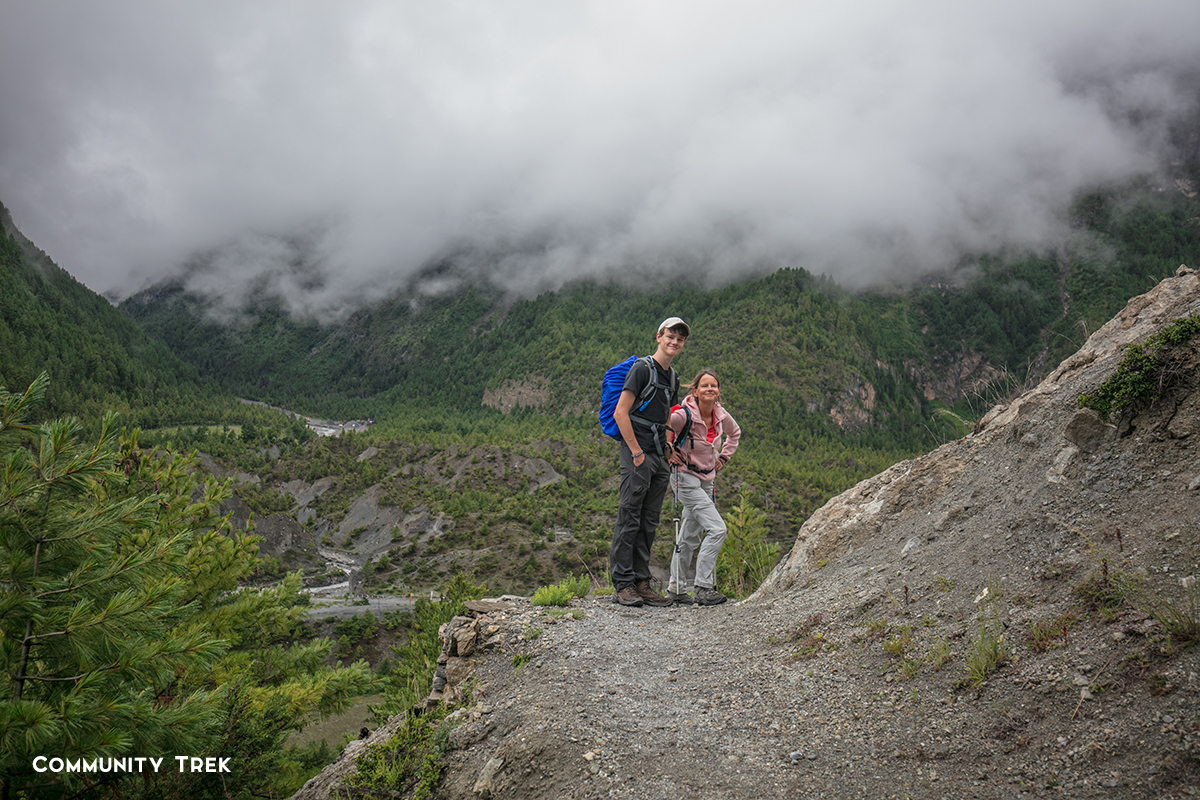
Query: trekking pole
(675,501)
(675,518)
(675,491)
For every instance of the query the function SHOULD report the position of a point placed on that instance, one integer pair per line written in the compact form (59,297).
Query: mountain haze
(791,344)
(830,386)
(97,359)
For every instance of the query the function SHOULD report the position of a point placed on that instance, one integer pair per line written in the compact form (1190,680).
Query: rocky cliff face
(1039,479)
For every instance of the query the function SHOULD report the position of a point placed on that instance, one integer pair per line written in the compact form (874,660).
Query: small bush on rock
(1145,372)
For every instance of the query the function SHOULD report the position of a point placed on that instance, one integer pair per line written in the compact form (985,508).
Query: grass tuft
(986,651)
(563,593)
(1046,634)
(1176,608)
(809,641)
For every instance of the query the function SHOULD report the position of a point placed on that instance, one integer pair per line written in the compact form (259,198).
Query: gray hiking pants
(699,515)
(640,503)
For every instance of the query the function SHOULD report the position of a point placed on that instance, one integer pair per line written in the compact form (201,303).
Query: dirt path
(715,703)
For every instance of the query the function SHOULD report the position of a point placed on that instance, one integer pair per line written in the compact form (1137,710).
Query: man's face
(671,341)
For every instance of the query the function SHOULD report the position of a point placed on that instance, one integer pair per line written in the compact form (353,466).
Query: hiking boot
(628,597)
(649,596)
(684,599)
(709,597)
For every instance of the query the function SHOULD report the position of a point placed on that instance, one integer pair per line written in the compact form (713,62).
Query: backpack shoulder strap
(652,383)
(685,432)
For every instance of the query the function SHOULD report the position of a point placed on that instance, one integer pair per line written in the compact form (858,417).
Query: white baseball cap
(671,322)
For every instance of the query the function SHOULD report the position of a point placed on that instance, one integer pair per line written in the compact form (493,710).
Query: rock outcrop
(1035,468)
(463,638)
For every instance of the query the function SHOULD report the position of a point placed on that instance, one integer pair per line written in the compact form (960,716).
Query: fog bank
(328,152)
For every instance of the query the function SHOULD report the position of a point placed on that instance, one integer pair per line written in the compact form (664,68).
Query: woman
(705,448)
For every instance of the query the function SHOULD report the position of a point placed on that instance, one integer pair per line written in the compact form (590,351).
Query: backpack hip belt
(657,429)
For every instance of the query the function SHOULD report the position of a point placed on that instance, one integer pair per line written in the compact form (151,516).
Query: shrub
(557,595)
(579,585)
(746,558)
(411,761)
(1145,372)
(562,593)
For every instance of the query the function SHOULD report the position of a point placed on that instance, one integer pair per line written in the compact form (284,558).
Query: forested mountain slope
(97,358)
(798,353)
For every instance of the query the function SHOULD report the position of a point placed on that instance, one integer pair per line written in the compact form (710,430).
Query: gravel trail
(714,703)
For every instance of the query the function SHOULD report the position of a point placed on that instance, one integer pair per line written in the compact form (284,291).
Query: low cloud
(329,153)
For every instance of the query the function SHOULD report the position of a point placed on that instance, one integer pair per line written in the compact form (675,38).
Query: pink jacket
(697,451)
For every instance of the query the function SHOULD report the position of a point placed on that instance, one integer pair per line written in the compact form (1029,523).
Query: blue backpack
(614,382)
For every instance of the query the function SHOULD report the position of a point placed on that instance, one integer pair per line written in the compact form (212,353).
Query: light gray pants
(700,515)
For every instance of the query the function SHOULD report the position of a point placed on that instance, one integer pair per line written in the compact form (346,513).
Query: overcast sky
(334,149)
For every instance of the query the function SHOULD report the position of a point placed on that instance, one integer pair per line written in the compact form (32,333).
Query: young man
(646,456)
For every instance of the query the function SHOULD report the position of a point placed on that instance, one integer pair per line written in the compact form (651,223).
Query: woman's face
(708,389)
